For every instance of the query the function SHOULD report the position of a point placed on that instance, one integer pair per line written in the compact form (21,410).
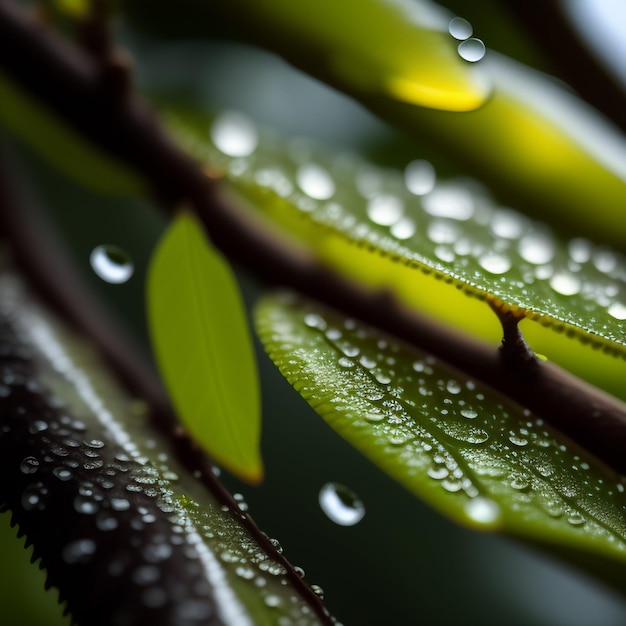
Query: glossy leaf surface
(454,442)
(452,229)
(203,347)
(546,147)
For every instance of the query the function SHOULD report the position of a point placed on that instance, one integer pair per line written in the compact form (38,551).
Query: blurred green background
(402,564)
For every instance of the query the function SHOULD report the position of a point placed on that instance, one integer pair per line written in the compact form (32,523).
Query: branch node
(514,351)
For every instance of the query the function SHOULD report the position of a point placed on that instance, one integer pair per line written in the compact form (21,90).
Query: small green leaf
(203,347)
(468,451)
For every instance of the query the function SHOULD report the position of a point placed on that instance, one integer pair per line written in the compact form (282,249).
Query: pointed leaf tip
(203,347)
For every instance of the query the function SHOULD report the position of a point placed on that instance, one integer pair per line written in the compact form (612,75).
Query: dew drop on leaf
(111,264)
(341,505)
(315,181)
(419,177)
(460,29)
(385,210)
(483,510)
(234,134)
(472,50)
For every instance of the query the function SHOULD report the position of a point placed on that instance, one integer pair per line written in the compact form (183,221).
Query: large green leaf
(454,442)
(203,346)
(533,140)
(344,208)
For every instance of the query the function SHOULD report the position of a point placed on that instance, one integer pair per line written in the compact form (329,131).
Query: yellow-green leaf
(203,347)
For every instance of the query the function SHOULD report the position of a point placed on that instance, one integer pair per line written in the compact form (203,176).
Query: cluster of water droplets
(431,425)
(452,226)
(470,48)
(124,481)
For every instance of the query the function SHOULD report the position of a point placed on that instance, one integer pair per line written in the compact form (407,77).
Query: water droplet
(385,210)
(79,551)
(419,177)
(85,506)
(576,519)
(472,49)
(366,362)
(460,28)
(536,248)
(404,228)
(313,320)
(111,264)
(234,134)
(495,263)
(34,497)
(315,181)
(241,502)
(518,441)
(272,600)
(483,510)
(438,473)
(453,387)
(120,504)
(565,283)
(106,522)
(618,310)
(37,426)
(449,200)
(580,250)
(29,465)
(341,505)
(470,414)
(318,591)
(374,416)
(507,224)
(62,473)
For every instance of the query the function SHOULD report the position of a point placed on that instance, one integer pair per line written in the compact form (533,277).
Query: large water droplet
(495,263)
(315,181)
(472,49)
(536,248)
(460,29)
(483,510)
(341,505)
(565,283)
(450,200)
(234,134)
(404,228)
(385,210)
(111,264)
(29,465)
(618,310)
(419,177)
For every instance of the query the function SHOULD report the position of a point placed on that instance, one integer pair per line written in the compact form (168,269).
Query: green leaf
(344,208)
(203,347)
(468,451)
(546,147)
(399,50)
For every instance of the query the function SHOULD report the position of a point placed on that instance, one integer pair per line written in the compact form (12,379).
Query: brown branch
(68,83)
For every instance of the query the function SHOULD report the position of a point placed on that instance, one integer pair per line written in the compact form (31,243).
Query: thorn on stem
(514,351)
